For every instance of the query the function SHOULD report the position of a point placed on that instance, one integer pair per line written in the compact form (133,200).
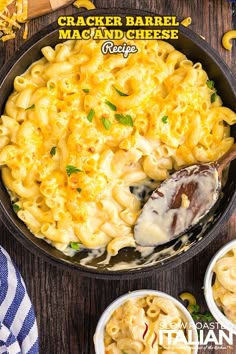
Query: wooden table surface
(68,306)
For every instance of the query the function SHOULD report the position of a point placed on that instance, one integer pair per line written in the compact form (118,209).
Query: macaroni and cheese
(224,288)
(141,325)
(81,128)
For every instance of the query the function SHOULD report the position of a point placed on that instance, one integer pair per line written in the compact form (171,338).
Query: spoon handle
(226,159)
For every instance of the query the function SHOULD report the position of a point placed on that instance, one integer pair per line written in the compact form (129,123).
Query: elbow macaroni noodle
(224,288)
(186,21)
(81,128)
(84,3)
(136,326)
(191,300)
(227,38)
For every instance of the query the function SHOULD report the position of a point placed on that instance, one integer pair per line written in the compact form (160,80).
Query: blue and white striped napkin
(18,327)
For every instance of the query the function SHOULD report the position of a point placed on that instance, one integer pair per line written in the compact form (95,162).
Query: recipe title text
(112,27)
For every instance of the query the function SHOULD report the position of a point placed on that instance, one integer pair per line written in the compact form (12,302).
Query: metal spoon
(180,202)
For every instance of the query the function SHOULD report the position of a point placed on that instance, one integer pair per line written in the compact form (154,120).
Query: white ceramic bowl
(99,334)
(214,309)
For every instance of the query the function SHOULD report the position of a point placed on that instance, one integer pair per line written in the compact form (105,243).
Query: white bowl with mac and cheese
(220,286)
(146,321)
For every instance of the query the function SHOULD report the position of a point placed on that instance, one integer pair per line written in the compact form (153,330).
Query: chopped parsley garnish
(75,246)
(106,123)
(124,352)
(30,107)
(210,84)
(16,208)
(125,120)
(72,169)
(111,105)
(204,317)
(119,92)
(90,115)
(79,190)
(53,151)
(51,87)
(86,90)
(195,308)
(164,119)
(213,97)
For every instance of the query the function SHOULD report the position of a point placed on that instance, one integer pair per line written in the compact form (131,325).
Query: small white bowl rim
(208,293)
(99,337)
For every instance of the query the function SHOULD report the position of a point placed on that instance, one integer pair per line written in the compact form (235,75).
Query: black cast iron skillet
(195,49)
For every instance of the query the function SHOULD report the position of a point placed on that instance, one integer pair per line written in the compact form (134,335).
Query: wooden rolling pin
(38,8)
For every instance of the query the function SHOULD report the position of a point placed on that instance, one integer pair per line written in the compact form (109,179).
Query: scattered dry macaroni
(224,288)
(227,38)
(140,326)
(190,298)
(10,22)
(81,128)
(186,21)
(85,4)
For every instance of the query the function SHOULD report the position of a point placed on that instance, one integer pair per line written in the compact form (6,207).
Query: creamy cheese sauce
(148,256)
(144,190)
(180,202)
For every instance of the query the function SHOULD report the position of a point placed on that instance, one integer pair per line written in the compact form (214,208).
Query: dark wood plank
(68,306)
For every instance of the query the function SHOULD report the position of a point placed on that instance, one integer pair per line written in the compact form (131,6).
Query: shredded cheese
(10,22)
(7,37)
(25,34)
(19,6)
